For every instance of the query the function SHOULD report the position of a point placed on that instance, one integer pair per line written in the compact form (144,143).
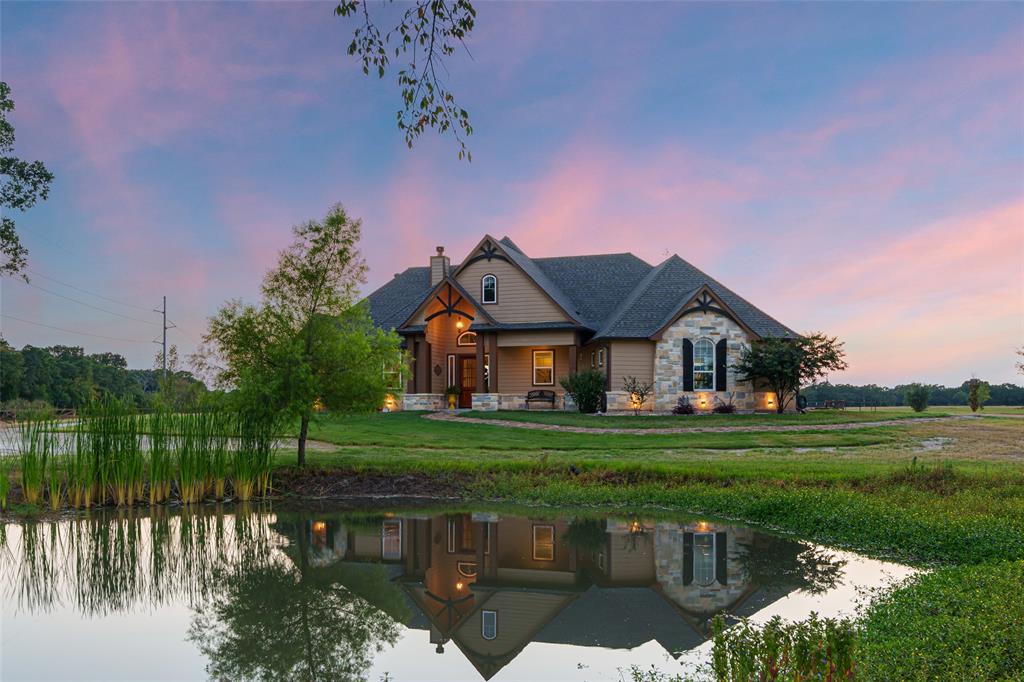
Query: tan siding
(367,545)
(631,358)
(520,614)
(515,369)
(519,298)
(563,337)
(631,559)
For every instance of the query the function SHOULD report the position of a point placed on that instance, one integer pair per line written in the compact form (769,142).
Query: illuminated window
(704,558)
(467,569)
(451,370)
(544,543)
(466,339)
(703,365)
(543,368)
(489,624)
(489,289)
(391,540)
(600,357)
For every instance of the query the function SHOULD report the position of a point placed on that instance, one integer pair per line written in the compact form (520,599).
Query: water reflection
(279,594)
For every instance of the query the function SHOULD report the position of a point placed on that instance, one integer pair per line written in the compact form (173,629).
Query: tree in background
(917,397)
(977,394)
(24,183)
(177,389)
(785,364)
(427,32)
(308,344)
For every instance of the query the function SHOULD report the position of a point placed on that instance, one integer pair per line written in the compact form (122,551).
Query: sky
(855,168)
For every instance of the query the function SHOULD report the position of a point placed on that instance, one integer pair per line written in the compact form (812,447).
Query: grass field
(947,495)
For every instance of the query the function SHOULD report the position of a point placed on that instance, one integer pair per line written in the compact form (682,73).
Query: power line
(88,305)
(91,293)
(70,331)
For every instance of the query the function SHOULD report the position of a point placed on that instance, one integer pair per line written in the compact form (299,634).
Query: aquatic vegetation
(34,447)
(5,482)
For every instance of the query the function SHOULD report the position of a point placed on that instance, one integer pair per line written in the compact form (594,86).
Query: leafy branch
(427,33)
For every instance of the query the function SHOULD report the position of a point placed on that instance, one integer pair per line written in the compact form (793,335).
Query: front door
(467,380)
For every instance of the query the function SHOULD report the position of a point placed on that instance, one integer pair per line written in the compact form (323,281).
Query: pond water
(364,592)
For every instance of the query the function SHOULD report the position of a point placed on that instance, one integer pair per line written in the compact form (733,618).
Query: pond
(403,593)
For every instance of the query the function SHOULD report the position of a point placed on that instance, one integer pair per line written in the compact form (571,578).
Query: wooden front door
(467,380)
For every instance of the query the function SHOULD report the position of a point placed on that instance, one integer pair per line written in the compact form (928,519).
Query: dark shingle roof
(616,295)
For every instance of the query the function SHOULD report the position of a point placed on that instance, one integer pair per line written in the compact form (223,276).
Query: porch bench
(540,396)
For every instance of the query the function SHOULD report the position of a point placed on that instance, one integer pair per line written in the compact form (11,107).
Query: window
(593,361)
(489,624)
(487,372)
(467,569)
(543,368)
(703,365)
(489,289)
(704,558)
(466,339)
(391,540)
(600,357)
(452,535)
(451,370)
(544,543)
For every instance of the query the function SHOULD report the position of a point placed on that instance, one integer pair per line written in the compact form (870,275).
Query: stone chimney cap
(440,250)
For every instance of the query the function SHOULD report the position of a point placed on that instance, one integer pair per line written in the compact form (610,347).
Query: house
(501,324)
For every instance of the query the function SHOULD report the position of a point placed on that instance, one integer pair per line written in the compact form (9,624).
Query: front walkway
(449,417)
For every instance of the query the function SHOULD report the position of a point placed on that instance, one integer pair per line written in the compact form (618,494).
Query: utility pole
(163,343)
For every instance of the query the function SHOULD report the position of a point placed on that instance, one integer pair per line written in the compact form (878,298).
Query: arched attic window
(466,339)
(489,289)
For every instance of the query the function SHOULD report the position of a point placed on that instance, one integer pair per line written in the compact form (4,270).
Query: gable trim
(450,308)
(498,252)
(704,300)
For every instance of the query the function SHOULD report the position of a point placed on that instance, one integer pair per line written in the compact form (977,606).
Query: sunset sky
(856,169)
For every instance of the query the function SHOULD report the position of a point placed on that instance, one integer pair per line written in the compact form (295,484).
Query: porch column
(422,365)
(480,362)
(492,348)
(574,351)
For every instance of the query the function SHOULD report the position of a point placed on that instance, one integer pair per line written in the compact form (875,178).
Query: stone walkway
(447,417)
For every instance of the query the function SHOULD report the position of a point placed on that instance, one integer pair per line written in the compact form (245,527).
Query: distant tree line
(882,396)
(65,377)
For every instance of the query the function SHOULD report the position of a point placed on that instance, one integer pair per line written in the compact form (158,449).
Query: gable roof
(615,295)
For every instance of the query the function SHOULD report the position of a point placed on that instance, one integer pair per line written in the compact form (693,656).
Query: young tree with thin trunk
(309,344)
(786,364)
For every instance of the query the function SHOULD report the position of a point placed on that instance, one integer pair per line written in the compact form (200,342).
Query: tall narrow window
(704,558)
(489,624)
(391,540)
(544,543)
(600,357)
(489,289)
(543,368)
(451,369)
(703,365)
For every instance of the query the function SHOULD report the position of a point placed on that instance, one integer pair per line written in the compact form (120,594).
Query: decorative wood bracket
(488,252)
(450,308)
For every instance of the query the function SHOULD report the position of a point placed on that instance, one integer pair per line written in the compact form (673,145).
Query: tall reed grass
(113,454)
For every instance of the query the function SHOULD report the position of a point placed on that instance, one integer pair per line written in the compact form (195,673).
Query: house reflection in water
(490,584)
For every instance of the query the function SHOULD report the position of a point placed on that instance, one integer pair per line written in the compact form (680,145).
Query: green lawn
(956,508)
(661,421)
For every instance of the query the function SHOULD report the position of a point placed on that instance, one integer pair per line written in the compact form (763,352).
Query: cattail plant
(32,452)
(5,482)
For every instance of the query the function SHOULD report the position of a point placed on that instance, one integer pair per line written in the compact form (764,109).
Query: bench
(540,396)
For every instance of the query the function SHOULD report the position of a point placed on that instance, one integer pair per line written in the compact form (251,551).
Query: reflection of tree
(276,620)
(772,561)
(586,535)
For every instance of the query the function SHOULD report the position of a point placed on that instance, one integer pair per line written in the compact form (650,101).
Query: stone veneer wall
(517,401)
(423,401)
(706,599)
(488,402)
(668,364)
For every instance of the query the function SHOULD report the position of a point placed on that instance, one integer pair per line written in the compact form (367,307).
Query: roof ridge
(628,302)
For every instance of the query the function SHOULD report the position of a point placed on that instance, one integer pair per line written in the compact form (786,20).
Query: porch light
(319,527)
(702,526)
(458,324)
(459,585)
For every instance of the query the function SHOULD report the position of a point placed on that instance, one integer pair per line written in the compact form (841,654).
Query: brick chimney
(438,266)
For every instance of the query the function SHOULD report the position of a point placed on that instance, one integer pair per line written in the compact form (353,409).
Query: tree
(428,32)
(977,394)
(24,183)
(585,389)
(785,364)
(307,343)
(917,397)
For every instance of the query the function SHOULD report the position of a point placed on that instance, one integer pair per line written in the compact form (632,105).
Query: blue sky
(853,168)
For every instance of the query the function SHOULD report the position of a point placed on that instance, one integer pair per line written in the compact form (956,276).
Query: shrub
(723,407)
(917,397)
(638,392)
(683,406)
(586,389)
